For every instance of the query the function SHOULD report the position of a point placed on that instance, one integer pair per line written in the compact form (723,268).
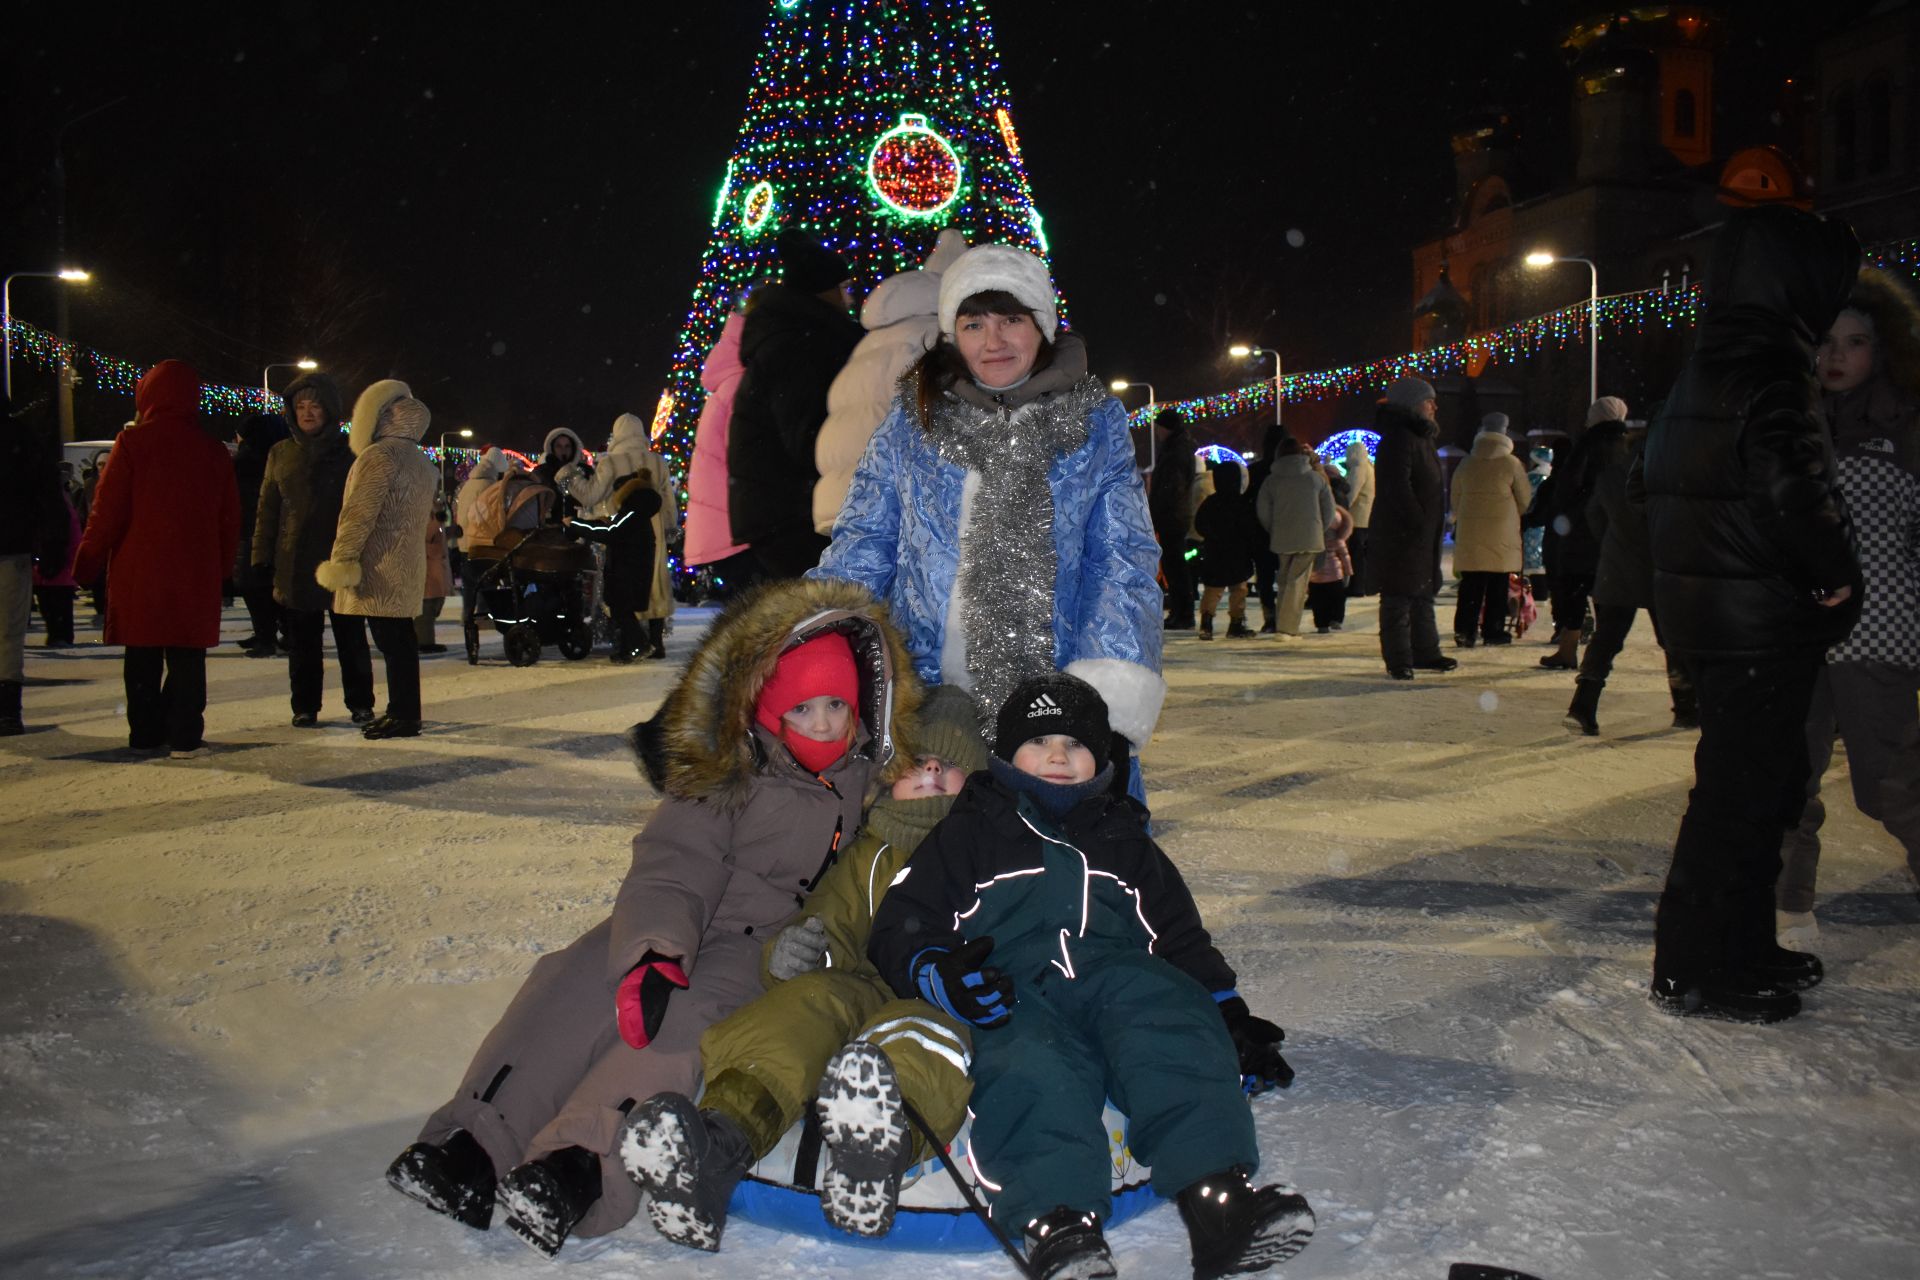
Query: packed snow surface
(231,988)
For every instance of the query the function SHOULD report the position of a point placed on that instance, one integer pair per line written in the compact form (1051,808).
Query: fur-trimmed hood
(701,745)
(387,410)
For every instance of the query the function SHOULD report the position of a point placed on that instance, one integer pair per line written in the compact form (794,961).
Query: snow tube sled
(780,1192)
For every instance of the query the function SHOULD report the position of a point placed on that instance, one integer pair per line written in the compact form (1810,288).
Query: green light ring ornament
(913,131)
(756,207)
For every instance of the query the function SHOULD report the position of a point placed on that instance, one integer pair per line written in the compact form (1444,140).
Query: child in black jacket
(1105,983)
(628,538)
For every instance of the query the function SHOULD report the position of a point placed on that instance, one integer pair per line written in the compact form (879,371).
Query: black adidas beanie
(1054,703)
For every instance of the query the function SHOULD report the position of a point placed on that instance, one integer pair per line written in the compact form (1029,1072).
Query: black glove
(959,983)
(1257,1041)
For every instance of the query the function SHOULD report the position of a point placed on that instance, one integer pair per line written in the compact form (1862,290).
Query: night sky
(509,212)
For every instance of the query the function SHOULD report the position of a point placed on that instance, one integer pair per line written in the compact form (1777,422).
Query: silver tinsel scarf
(1007,558)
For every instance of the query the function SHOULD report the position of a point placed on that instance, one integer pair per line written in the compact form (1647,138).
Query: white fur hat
(1606,409)
(1003,267)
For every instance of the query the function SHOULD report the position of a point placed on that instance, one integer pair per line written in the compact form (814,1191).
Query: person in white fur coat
(629,452)
(902,320)
(375,569)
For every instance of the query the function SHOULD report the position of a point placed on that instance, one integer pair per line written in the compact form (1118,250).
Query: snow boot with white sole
(546,1198)
(1237,1228)
(454,1177)
(863,1123)
(1066,1244)
(688,1162)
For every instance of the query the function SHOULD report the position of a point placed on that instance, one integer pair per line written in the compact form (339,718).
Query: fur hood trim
(700,745)
(373,404)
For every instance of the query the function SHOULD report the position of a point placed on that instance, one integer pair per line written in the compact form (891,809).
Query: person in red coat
(165,524)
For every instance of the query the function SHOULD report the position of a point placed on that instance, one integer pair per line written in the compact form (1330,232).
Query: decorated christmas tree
(872,124)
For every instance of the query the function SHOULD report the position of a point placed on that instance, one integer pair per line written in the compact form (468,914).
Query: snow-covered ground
(231,988)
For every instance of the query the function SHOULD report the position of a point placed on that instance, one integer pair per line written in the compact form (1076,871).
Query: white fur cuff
(335,574)
(1133,694)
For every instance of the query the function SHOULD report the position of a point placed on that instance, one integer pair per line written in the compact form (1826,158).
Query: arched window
(1879,125)
(1845,149)
(1683,112)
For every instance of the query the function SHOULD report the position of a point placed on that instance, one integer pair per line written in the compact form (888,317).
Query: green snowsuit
(764,1061)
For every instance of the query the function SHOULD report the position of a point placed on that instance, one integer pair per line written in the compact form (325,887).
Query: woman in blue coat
(997,510)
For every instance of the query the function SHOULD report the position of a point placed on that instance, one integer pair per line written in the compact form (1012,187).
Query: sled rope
(966,1192)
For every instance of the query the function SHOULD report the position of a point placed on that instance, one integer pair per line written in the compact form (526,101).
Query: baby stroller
(534,583)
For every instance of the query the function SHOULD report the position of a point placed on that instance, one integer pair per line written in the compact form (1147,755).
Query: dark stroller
(534,582)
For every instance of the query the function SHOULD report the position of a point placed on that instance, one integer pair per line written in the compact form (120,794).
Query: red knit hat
(820,667)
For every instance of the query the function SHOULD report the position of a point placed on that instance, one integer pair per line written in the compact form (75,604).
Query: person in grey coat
(298,508)
(1296,509)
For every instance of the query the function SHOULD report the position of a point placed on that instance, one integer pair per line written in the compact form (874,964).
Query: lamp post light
(1541,259)
(1153,445)
(1243,352)
(465,433)
(288,364)
(71,275)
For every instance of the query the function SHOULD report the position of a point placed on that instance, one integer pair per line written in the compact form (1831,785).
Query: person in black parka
(1571,547)
(34,524)
(628,538)
(797,336)
(258,434)
(1229,532)
(1409,512)
(1755,576)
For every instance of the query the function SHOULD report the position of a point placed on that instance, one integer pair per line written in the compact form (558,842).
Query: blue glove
(959,983)
(1257,1041)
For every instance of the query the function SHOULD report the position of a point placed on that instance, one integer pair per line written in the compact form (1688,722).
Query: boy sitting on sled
(1106,984)
(827,1021)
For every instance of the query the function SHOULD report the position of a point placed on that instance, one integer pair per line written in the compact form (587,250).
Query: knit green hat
(950,728)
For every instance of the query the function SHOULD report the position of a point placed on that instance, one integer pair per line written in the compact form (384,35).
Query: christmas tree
(871,124)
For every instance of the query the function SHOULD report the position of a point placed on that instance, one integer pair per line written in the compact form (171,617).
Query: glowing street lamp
(1153,444)
(1539,259)
(1241,351)
(72,275)
(465,433)
(292,364)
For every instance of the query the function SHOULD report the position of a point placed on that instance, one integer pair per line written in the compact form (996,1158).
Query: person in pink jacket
(709,536)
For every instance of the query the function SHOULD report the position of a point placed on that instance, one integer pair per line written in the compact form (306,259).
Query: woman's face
(1845,357)
(308,415)
(563,450)
(999,350)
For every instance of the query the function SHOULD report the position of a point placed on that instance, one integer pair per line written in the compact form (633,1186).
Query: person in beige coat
(1490,494)
(377,568)
(752,817)
(630,452)
(1361,483)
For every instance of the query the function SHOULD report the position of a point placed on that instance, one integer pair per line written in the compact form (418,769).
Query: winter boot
(1206,628)
(1581,715)
(1793,969)
(1731,995)
(11,725)
(1480,1271)
(1269,620)
(391,727)
(1686,708)
(688,1162)
(546,1198)
(454,1178)
(656,638)
(471,633)
(1237,1227)
(1237,629)
(1066,1244)
(1566,657)
(864,1125)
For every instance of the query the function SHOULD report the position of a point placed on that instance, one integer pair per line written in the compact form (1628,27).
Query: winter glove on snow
(641,1003)
(800,948)
(1257,1041)
(964,987)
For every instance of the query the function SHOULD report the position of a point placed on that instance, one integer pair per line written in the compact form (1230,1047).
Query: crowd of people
(902,871)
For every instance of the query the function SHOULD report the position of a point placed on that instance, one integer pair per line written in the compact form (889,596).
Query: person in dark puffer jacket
(1755,577)
(258,434)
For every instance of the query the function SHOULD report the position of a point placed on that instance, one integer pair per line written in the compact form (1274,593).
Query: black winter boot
(1686,708)
(1066,1244)
(1269,621)
(1581,715)
(11,725)
(1236,1227)
(863,1122)
(455,1178)
(470,632)
(1794,970)
(1237,629)
(656,638)
(1731,995)
(546,1198)
(688,1162)
(1206,628)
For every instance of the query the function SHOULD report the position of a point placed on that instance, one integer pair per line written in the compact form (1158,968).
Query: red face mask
(814,756)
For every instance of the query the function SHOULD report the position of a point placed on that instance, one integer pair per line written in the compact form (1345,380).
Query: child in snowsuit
(1327,583)
(628,538)
(827,1022)
(1105,984)
(1229,535)
(765,750)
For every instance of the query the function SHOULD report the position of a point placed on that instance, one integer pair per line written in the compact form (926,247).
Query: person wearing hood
(603,496)
(1360,475)
(563,467)
(798,334)
(1490,494)
(1570,550)
(299,508)
(1755,577)
(487,469)
(709,539)
(631,547)
(258,434)
(902,320)
(1409,516)
(1296,508)
(376,569)
(997,510)
(35,524)
(1869,370)
(164,529)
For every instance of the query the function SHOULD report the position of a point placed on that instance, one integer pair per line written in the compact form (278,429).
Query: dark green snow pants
(1129,1027)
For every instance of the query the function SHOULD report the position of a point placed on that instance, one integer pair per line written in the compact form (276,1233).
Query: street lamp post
(465,433)
(69,274)
(284,364)
(1243,352)
(1153,445)
(1593,315)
